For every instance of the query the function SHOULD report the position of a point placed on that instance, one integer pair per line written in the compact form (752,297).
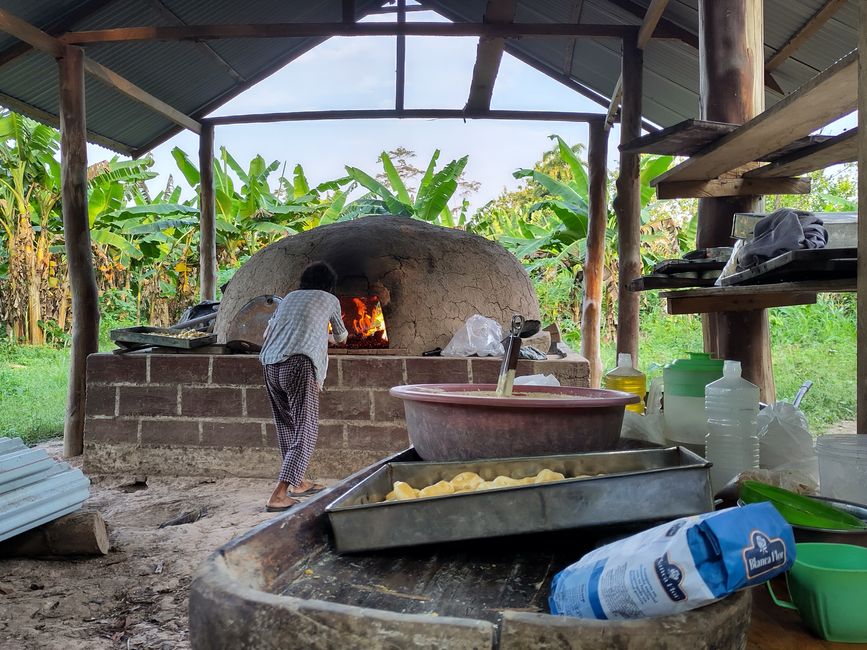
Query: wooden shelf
(829,95)
(720,299)
(689,137)
(842,148)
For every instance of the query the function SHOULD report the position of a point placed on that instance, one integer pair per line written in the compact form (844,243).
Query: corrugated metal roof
(197,78)
(35,489)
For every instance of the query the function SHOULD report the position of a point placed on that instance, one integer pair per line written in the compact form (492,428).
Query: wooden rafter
(26,32)
(307,30)
(489,53)
(809,28)
(410,113)
(645,33)
(56,28)
(826,97)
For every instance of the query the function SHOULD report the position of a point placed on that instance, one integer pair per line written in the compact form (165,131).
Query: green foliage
(32,391)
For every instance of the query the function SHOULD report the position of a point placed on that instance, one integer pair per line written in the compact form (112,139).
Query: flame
(364,321)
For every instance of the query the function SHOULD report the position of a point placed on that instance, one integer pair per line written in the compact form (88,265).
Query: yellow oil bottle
(627,379)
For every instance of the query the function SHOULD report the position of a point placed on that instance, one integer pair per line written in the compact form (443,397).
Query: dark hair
(319,275)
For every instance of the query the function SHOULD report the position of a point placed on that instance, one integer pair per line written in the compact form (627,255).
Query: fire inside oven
(364,322)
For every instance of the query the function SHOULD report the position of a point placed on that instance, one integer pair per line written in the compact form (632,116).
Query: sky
(358,72)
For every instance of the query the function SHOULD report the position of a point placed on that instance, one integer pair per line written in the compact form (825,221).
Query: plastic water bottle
(731,405)
(627,379)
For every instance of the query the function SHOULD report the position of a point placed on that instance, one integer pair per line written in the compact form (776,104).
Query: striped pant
(294,396)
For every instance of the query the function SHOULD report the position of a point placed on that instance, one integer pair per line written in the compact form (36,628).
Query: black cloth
(780,232)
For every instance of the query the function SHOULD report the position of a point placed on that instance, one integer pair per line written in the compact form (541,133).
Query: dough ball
(466,481)
(505,481)
(527,481)
(404,491)
(546,475)
(391,496)
(487,485)
(437,490)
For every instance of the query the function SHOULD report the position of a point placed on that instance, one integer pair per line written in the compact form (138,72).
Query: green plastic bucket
(828,587)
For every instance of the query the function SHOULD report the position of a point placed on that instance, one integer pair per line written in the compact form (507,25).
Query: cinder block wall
(186,414)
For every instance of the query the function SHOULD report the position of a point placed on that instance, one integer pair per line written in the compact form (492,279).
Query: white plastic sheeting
(34,488)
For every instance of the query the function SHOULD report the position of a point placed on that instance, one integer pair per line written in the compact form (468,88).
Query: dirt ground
(136,596)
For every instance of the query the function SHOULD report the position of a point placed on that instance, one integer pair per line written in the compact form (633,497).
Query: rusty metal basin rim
(468,394)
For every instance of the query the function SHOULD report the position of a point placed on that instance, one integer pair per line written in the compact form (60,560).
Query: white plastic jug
(731,405)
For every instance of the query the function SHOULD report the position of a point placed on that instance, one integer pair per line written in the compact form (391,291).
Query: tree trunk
(627,203)
(76,534)
(732,90)
(76,229)
(594,262)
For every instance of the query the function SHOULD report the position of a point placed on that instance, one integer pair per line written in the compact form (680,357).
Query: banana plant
(431,200)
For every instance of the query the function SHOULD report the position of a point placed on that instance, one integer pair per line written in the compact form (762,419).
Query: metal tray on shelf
(625,487)
(157,336)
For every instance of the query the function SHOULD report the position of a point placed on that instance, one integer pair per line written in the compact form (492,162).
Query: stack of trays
(623,487)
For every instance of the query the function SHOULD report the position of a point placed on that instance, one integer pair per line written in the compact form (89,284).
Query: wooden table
(776,628)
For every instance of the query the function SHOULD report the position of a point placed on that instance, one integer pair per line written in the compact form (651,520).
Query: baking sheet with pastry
(599,489)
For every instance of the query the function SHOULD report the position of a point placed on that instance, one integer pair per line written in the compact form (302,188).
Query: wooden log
(76,230)
(81,533)
(208,216)
(594,261)
(862,230)
(489,53)
(627,203)
(731,42)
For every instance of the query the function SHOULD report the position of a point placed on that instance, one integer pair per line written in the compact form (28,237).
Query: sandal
(268,508)
(313,489)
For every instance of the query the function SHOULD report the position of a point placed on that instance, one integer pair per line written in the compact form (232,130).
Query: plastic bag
(678,566)
(651,426)
(537,380)
(784,438)
(480,336)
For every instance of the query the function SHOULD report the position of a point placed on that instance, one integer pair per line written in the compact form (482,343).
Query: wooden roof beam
(26,32)
(805,32)
(409,113)
(489,53)
(60,26)
(648,25)
(829,95)
(325,30)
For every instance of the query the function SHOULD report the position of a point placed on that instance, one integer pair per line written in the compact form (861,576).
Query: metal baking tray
(145,335)
(635,486)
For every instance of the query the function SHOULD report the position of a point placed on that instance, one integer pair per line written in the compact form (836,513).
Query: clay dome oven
(426,279)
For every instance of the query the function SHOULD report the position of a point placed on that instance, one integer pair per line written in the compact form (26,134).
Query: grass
(32,391)
(815,342)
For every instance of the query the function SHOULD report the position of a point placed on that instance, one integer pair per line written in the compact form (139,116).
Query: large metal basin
(464,422)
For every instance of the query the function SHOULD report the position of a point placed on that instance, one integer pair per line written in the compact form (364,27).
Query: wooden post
(76,230)
(732,90)
(862,227)
(594,260)
(627,203)
(208,216)
(400,55)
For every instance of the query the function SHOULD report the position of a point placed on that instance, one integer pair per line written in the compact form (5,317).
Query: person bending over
(295,359)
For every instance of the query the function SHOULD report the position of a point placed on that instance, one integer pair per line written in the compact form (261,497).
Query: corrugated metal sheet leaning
(34,488)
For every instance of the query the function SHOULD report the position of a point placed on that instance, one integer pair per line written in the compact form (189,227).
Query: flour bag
(681,565)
